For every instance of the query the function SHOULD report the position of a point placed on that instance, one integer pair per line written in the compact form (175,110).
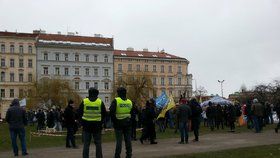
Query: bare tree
(52,92)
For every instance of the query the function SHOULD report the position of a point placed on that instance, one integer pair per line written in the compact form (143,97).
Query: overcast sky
(237,41)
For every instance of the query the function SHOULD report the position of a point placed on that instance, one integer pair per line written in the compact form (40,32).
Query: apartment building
(18,67)
(168,72)
(83,60)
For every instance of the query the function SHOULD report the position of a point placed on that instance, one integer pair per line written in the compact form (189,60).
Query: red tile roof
(17,34)
(71,38)
(144,54)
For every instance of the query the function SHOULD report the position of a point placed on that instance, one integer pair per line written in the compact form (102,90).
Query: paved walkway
(166,147)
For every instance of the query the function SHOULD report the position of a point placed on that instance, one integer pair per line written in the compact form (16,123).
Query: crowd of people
(125,117)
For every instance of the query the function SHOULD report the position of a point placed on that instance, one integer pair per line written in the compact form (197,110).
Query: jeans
(211,123)
(70,138)
(21,133)
(120,133)
(57,126)
(195,127)
(97,141)
(183,126)
(257,123)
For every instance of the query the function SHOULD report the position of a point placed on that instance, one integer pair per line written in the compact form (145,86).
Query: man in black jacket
(16,119)
(92,112)
(196,117)
(69,122)
(120,112)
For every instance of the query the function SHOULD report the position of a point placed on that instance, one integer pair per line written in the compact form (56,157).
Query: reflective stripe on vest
(123,108)
(92,110)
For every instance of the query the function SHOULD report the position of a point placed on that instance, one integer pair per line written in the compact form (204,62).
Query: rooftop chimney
(145,50)
(130,49)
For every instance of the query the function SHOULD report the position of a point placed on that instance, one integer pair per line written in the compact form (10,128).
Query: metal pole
(221,82)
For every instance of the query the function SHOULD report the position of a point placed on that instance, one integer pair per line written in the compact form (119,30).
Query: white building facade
(84,61)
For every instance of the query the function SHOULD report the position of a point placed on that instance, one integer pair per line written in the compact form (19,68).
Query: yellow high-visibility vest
(123,108)
(92,110)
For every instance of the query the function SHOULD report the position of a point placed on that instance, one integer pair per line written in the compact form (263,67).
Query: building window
(170,80)
(106,99)
(29,92)
(87,58)
(87,85)
(137,67)
(170,69)
(162,69)
(12,77)
(2,76)
(179,81)
(20,77)
(45,56)
(66,56)
(12,93)
(20,63)
(119,67)
(87,71)
(146,68)
(77,85)
(76,57)
(30,63)
(2,48)
(106,85)
(29,77)
(21,49)
(30,49)
(154,81)
(56,56)
(129,67)
(46,70)
(20,93)
(66,71)
(57,71)
(162,81)
(12,48)
(12,62)
(77,71)
(106,59)
(2,93)
(95,58)
(106,72)
(154,68)
(179,69)
(3,64)
(96,85)
(95,72)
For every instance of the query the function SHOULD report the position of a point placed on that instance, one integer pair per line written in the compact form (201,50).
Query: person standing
(184,114)
(196,117)
(134,115)
(120,112)
(69,122)
(16,119)
(92,112)
(149,116)
(277,110)
(210,114)
(231,115)
(258,113)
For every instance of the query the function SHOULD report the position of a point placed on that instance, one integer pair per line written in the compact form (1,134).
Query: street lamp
(221,82)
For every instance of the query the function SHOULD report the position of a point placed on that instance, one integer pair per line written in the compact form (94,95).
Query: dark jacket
(69,116)
(184,113)
(119,124)
(16,116)
(91,126)
(148,115)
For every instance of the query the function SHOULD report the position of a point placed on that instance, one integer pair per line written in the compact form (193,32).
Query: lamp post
(221,82)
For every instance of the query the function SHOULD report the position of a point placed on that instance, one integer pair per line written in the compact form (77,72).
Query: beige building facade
(18,67)
(167,72)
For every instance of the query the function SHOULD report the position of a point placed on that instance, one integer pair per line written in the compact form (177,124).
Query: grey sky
(238,41)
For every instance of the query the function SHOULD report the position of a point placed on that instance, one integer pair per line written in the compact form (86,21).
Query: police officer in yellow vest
(92,112)
(120,112)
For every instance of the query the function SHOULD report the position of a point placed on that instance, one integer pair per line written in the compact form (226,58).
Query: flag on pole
(170,105)
(22,102)
(162,100)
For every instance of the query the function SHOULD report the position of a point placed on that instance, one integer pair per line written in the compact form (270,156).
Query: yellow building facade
(18,67)
(167,72)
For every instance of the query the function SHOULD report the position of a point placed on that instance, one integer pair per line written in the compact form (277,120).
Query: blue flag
(162,100)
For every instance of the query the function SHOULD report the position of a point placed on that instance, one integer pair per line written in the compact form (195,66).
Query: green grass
(266,151)
(50,141)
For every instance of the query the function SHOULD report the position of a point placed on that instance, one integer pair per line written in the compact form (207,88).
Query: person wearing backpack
(195,118)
